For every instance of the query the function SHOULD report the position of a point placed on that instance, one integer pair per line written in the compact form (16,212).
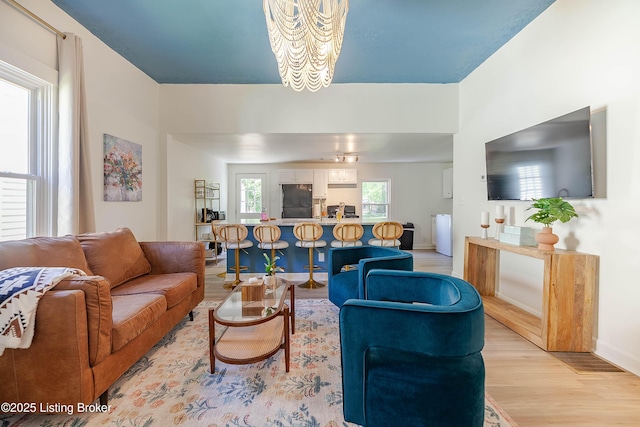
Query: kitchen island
(292,259)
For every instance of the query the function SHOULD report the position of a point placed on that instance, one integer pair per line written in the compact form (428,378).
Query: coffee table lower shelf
(242,345)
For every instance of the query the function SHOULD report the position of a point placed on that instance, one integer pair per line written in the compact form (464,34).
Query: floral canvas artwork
(122,170)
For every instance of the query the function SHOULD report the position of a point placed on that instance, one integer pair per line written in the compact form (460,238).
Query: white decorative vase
(270,283)
(269,280)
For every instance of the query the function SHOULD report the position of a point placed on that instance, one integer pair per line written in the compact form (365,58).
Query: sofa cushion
(132,314)
(173,286)
(43,252)
(115,255)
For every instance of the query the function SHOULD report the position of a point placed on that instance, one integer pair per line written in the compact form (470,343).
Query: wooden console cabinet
(570,280)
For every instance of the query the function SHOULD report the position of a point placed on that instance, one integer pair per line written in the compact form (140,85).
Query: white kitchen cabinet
(320,181)
(295,176)
(343,176)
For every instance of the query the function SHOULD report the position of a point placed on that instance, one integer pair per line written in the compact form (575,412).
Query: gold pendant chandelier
(306,37)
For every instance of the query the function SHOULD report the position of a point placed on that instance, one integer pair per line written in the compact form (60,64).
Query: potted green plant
(270,270)
(550,210)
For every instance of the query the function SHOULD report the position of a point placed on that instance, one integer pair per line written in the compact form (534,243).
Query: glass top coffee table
(258,322)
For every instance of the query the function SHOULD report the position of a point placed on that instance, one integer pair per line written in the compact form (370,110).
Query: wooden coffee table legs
(212,340)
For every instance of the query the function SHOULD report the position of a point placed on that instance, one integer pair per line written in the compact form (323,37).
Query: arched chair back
(308,234)
(268,237)
(386,233)
(233,234)
(267,233)
(347,234)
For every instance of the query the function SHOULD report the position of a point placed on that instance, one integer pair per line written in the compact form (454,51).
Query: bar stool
(235,237)
(309,236)
(268,237)
(347,235)
(386,234)
(215,232)
(215,239)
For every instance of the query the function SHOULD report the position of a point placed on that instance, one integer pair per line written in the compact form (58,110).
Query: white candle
(484,218)
(500,212)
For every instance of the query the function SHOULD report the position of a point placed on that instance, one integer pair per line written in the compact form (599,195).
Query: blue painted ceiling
(226,42)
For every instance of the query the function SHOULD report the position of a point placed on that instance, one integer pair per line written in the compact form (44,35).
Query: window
(250,195)
(375,200)
(26,175)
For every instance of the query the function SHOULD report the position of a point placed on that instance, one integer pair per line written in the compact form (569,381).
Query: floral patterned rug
(172,385)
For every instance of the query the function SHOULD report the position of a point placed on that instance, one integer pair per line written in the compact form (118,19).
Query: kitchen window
(26,144)
(375,200)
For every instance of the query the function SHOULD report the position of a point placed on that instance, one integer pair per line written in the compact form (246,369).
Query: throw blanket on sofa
(20,290)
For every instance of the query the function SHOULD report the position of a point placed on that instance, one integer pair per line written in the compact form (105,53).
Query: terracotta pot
(546,239)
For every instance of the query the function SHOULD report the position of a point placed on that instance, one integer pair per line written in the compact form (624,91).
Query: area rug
(172,385)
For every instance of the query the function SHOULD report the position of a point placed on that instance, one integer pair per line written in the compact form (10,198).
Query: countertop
(293,221)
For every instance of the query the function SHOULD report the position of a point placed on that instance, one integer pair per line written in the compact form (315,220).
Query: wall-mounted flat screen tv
(551,159)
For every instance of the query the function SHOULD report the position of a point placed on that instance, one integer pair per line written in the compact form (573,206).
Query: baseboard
(617,357)
(424,246)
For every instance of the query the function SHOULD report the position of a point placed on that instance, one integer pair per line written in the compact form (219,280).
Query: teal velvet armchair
(345,284)
(411,351)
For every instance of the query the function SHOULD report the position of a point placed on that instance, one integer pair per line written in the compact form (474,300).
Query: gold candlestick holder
(499,227)
(484,230)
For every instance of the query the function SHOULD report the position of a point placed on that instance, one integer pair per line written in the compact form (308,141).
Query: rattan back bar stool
(268,237)
(386,234)
(309,236)
(347,234)
(235,238)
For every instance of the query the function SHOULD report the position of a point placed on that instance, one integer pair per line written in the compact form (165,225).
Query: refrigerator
(297,201)
(444,234)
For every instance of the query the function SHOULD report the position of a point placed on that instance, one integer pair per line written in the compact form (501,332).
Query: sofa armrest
(57,362)
(97,297)
(175,257)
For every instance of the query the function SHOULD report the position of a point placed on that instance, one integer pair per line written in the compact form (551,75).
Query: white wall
(576,53)
(121,101)
(416,191)
(343,108)
(188,164)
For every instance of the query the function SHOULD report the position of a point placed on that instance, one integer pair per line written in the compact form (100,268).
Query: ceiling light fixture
(347,158)
(306,38)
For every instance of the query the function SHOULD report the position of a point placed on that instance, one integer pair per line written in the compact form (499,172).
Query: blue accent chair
(345,284)
(411,352)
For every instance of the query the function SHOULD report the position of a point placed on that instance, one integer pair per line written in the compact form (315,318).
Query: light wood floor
(532,386)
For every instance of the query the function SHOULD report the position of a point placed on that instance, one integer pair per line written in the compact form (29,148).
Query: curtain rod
(37,18)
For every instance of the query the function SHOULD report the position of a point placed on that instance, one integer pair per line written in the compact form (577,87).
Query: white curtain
(75,199)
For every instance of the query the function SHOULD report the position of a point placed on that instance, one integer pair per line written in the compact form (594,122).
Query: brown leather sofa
(90,329)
